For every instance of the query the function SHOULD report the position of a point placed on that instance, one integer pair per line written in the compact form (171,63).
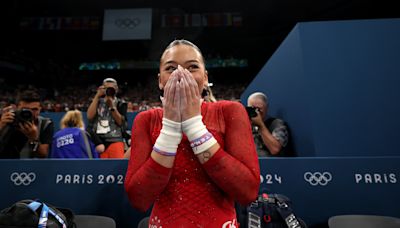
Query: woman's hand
(190,98)
(171,101)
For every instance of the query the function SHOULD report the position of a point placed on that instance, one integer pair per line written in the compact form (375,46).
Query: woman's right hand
(171,101)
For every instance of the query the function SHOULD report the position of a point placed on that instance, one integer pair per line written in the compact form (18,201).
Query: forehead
(181,52)
(29,104)
(256,101)
(108,84)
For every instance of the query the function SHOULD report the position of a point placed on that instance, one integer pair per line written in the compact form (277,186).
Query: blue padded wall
(336,83)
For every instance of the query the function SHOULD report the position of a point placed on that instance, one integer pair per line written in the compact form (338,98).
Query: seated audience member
(23,132)
(72,141)
(191,159)
(270,134)
(107,119)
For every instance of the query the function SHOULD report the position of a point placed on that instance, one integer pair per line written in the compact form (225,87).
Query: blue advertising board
(318,187)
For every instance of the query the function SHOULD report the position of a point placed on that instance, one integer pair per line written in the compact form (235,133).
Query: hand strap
(286,212)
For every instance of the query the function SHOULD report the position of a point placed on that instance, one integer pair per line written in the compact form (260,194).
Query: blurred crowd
(139,97)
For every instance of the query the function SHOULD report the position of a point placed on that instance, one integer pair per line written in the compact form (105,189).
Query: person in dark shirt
(107,119)
(270,134)
(23,132)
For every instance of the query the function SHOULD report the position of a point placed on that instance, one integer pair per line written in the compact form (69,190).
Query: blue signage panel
(318,187)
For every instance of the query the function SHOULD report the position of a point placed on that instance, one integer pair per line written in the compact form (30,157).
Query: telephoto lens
(251,111)
(22,116)
(110,91)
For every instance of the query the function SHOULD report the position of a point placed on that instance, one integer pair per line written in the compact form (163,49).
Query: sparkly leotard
(192,194)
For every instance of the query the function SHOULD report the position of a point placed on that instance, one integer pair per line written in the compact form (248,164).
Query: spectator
(270,134)
(107,119)
(194,180)
(72,141)
(23,132)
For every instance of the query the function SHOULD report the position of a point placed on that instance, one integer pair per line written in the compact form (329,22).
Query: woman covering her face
(191,159)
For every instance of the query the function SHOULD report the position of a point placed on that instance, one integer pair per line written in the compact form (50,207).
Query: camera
(22,116)
(110,91)
(251,111)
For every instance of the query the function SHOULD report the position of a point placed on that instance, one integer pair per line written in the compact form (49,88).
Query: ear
(160,86)
(206,78)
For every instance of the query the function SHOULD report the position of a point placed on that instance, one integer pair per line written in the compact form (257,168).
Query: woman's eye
(192,67)
(170,68)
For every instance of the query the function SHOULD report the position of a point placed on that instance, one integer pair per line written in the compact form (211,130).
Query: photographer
(23,133)
(270,134)
(107,119)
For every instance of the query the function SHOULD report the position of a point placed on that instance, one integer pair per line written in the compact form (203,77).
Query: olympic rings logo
(127,23)
(318,178)
(22,178)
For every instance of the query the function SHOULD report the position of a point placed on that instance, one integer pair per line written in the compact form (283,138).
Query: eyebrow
(189,61)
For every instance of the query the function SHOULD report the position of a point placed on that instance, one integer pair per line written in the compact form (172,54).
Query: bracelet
(204,138)
(199,137)
(165,153)
(169,138)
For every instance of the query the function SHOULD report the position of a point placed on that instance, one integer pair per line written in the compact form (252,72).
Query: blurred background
(66,48)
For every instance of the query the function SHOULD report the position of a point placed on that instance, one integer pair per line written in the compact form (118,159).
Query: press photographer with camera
(23,132)
(271,135)
(107,119)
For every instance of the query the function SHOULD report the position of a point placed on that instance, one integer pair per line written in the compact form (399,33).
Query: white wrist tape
(199,137)
(169,138)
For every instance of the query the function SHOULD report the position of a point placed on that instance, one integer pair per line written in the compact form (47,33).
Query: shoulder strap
(87,146)
(286,212)
(34,205)
(43,122)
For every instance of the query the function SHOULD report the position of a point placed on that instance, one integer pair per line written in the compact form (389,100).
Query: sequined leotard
(192,194)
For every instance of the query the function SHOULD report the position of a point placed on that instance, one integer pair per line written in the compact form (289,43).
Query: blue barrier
(337,78)
(318,187)
(57,116)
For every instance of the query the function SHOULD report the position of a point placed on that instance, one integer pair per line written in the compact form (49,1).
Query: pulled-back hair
(183,42)
(72,119)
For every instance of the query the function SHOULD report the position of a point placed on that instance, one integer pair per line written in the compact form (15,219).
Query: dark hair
(29,96)
(183,42)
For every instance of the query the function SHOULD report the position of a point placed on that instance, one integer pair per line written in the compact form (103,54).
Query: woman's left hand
(190,98)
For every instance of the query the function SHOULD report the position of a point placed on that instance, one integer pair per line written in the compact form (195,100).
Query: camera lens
(251,111)
(23,115)
(110,91)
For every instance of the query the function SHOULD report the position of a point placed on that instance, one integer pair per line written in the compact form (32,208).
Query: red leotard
(192,194)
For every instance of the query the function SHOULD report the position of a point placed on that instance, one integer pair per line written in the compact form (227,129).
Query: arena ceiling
(265,25)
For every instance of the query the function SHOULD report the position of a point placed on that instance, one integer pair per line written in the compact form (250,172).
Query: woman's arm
(235,168)
(145,178)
